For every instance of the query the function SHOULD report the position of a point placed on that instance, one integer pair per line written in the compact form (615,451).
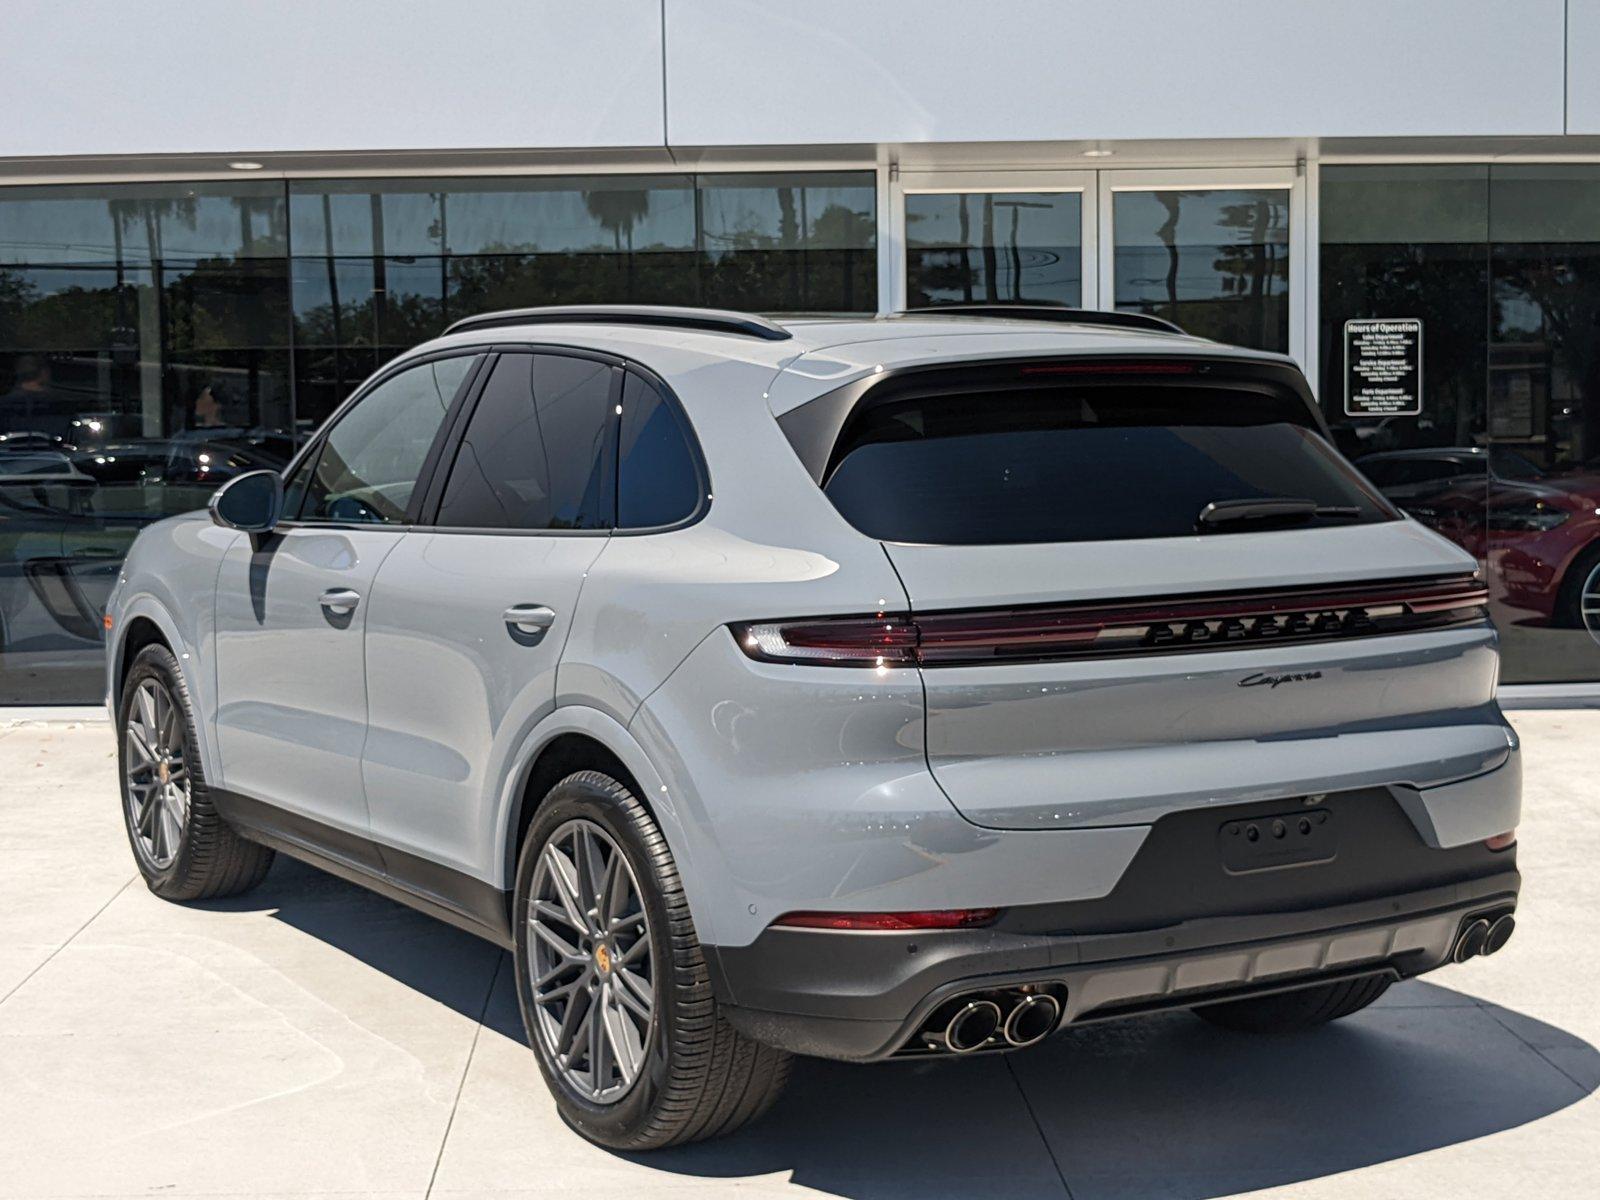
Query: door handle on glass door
(530,618)
(340,600)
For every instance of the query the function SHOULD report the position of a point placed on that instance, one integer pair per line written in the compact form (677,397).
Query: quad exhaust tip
(994,1019)
(1032,1020)
(972,1026)
(1484,936)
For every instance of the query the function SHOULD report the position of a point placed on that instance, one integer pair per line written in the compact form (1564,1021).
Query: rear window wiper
(1269,508)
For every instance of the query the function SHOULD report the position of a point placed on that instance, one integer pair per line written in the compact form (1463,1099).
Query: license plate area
(1290,839)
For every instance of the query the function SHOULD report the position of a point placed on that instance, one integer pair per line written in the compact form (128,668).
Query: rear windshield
(1072,464)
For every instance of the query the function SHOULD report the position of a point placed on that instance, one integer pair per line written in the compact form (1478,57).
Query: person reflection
(32,405)
(208,413)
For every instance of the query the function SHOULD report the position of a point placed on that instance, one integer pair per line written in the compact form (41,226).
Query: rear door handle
(530,618)
(340,600)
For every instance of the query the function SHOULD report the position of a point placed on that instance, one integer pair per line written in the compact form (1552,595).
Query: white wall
(86,77)
(752,71)
(177,76)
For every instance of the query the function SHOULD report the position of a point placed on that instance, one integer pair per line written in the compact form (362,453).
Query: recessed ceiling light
(245,166)
(1097,152)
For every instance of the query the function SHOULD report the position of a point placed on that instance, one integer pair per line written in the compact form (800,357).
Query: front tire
(183,848)
(612,982)
(1291,1012)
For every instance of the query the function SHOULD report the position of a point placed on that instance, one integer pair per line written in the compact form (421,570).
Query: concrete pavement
(313,1040)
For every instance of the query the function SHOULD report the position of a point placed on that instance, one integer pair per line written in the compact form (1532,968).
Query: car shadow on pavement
(1139,1108)
(1163,1106)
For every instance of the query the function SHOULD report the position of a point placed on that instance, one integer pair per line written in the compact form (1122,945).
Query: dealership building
(216,220)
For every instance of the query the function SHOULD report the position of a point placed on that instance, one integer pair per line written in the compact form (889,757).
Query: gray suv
(868,688)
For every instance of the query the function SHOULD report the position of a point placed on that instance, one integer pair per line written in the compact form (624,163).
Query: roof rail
(714,320)
(1050,312)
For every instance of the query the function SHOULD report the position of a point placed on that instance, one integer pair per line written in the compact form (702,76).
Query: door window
(368,465)
(994,248)
(658,481)
(537,453)
(1216,261)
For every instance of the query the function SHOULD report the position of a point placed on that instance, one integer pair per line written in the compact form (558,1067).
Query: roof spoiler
(1050,312)
(712,320)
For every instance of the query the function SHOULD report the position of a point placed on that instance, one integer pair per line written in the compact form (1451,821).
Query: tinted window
(537,453)
(1065,465)
(657,482)
(369,462)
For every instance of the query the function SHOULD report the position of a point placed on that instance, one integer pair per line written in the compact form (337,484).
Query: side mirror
(251,503)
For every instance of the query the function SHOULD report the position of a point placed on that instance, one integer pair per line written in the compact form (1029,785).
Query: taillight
(941,918)
(879,641)
(886,640)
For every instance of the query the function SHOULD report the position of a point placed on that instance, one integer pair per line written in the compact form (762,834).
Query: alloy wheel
(157,772)
(590,963)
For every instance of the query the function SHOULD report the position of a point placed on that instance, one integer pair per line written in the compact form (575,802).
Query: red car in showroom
(1539,531)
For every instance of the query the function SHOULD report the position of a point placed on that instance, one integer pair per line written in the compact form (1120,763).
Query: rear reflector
(1501,841)
(1222,621)
(942,918)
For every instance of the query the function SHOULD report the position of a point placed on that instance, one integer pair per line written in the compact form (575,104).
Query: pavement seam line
(1489,1009)
(1038,1128)
(461,1084)
(49,958)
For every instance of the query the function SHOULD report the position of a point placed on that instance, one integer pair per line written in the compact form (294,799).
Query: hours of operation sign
(1383,367)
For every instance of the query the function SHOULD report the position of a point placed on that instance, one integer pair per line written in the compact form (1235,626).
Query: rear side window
(537,452)
(1086,463)
(658,482)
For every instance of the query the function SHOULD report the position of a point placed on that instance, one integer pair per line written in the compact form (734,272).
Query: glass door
(971,238)
(1220,252)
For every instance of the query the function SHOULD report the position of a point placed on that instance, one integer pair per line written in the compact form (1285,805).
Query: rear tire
(184,849)
(1290,1012)
(693,1075)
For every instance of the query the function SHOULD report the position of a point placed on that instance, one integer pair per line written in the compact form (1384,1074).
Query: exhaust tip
(1499,933)
(1472,940)
(973,1025)
(1033,1019)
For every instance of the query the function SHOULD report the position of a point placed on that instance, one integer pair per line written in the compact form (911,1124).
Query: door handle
(530,618)
(340,600)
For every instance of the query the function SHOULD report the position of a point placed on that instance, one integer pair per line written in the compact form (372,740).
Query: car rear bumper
(865,996)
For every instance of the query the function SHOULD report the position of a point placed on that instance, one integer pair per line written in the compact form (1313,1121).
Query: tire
(694,1075)
(184,850)
(1291,1012)
(1569,604)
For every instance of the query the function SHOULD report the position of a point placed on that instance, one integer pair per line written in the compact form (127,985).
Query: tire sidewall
(617,1122)
(157,662)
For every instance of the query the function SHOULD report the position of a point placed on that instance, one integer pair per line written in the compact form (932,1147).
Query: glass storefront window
(1216,261)
(1502,266)
(143,360)
(158,339)
(994,248)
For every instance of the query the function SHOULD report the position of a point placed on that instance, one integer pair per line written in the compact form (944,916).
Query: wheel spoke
(591,873)
(145,701)
(573,1022)
(599,1058)
(623,1040)
(550,937)
(141,747)
(564,875)
(634,995)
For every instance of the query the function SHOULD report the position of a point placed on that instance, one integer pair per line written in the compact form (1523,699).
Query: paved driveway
(311,1039)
